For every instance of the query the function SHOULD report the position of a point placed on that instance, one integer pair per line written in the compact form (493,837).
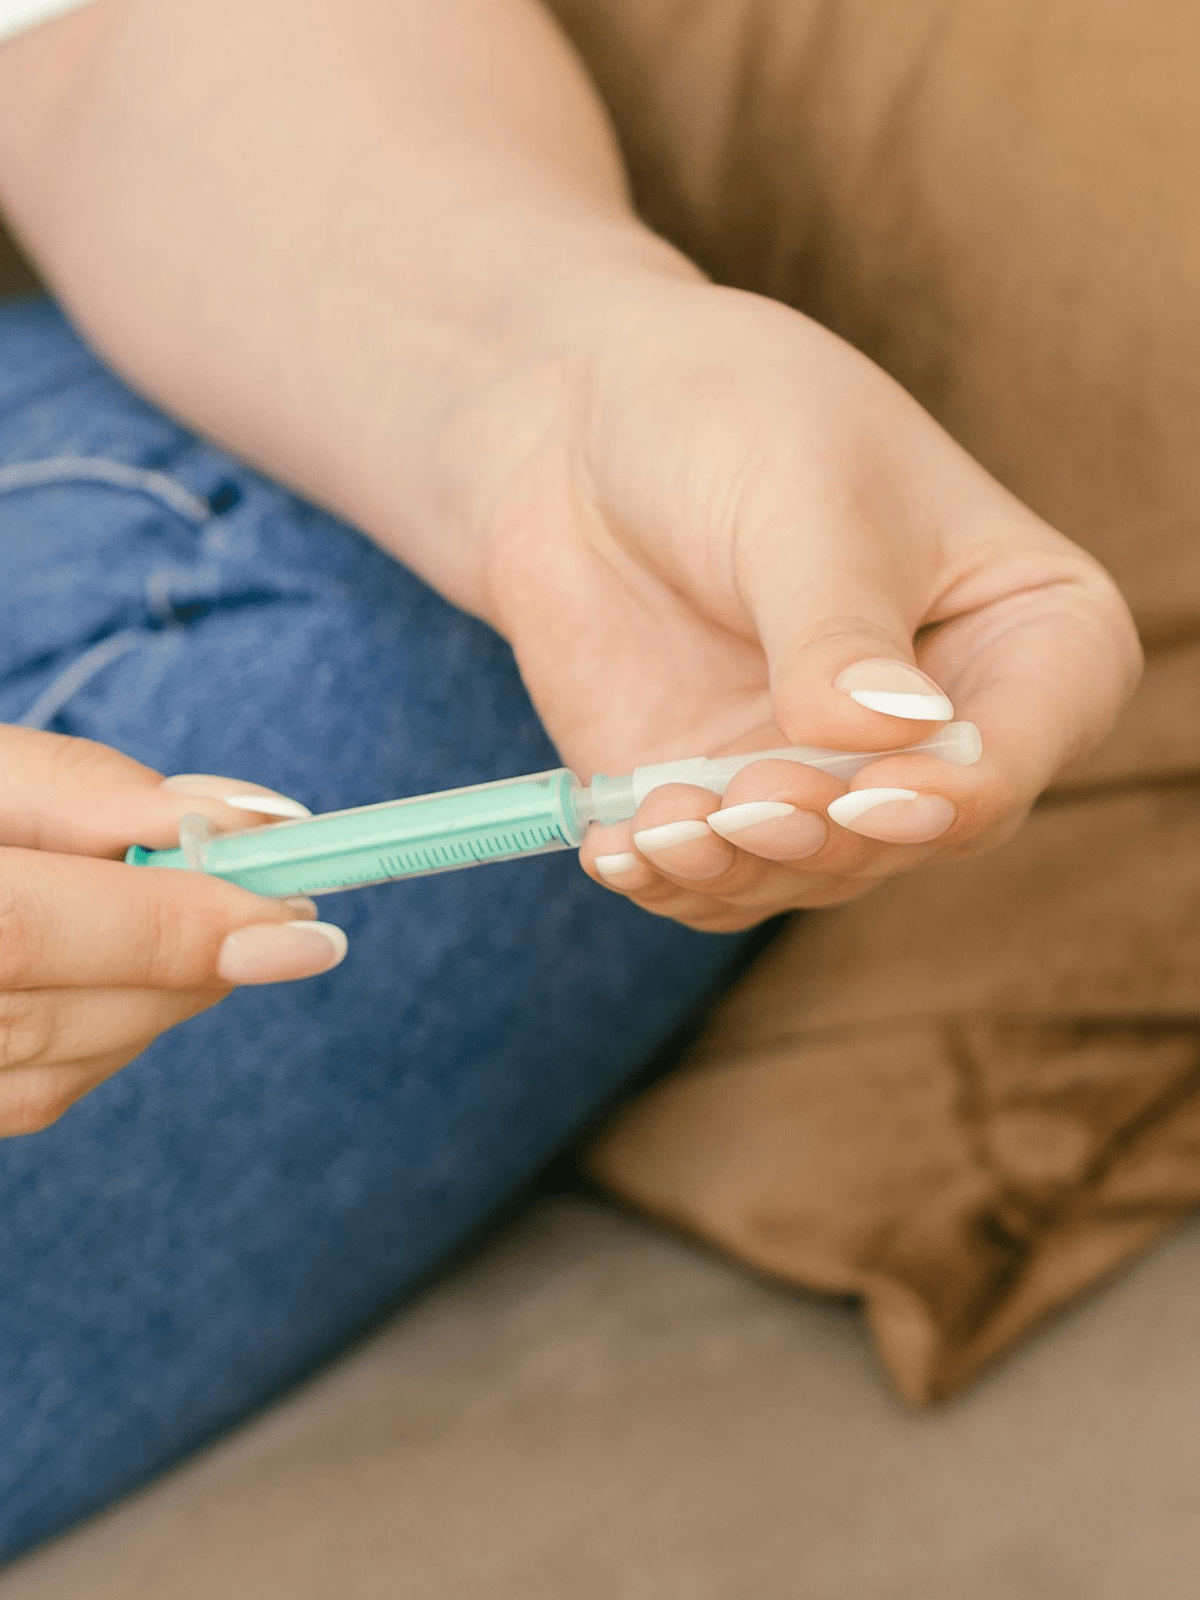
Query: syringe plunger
(616,799)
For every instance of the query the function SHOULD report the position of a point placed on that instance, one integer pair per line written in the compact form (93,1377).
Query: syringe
(484,822)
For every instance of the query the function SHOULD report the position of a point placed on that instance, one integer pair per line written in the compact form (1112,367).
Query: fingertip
(897,688)
(237,794)
(301,907)
(620,868)
(908,707)
(731,821)
(280,952)
(688,851)
(771,830)
(894,816)
(827,710)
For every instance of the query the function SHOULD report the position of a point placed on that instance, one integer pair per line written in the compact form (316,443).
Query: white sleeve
(18,14)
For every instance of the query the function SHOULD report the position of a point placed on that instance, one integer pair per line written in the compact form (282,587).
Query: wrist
(488,379)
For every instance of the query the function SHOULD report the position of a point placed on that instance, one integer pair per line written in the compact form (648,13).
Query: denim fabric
(241,1200)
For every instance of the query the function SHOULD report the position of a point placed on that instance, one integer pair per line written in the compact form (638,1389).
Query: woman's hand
(712,527)
(704,523)
(98,958)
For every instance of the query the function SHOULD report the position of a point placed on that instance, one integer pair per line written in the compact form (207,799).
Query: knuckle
(84,762)
(838,631)
(26,1027)
(33,1101)
(183,922)
(19,923)
(160,950)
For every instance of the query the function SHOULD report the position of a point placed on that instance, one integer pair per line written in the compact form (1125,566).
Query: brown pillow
(972,1093)
(964,1097)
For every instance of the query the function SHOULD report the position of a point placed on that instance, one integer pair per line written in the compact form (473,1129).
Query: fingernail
(242,797)
(894,816)
(771,829)
(301,905)
(660,843)
(272,806)
(669,835)
(617,866)
(269,952)
(736,819)
(896,689)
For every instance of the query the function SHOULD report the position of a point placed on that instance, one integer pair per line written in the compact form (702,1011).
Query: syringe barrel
(397,839)
(483,822)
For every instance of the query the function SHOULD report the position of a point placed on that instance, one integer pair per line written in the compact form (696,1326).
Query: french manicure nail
(273,952)
(658,843)
(263,802)
(893,816)
(617,866)
(847,808)
(896,689)
(669,835)
(736,819)
(266,805)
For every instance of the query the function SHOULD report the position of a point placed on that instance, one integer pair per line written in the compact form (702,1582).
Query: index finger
(77,797)
(74,921)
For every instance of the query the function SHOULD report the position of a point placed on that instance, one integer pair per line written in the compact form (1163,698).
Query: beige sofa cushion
(595,1411)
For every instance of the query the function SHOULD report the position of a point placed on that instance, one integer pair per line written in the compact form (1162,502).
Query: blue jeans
(245,1197)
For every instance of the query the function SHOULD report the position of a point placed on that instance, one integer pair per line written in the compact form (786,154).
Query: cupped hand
(713,527)
(98,958)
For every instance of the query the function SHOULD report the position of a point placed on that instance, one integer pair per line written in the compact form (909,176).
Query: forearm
(318,231)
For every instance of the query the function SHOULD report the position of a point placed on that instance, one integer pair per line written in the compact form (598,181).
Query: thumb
(839,647)
(1035,646)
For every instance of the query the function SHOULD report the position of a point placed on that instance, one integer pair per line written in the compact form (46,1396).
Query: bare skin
(700,519)
(96,959)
